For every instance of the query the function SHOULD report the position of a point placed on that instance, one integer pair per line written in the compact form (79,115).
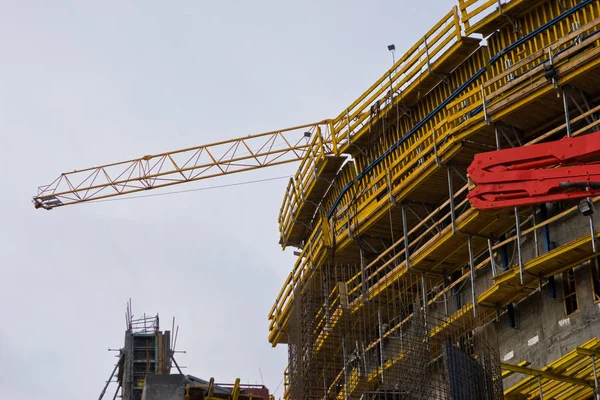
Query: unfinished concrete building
(409,282)
(143,370)
(403,289)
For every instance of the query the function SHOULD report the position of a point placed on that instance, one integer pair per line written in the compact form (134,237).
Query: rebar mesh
(381,343)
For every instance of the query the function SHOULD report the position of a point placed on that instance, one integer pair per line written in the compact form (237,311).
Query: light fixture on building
(392,49)
(586,207)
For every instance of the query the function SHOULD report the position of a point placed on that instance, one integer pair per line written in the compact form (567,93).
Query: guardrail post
(391,89)
(332,133)
(379,320)
(427,54)
(457,23)
(348,126)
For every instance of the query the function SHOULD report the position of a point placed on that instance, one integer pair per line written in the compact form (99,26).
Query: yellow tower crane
(185,165)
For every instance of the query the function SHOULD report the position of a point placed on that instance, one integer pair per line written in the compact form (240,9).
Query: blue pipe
(453,96)
(418,126)
(339,198)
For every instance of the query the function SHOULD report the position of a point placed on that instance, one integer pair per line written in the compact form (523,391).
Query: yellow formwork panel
(372,209)
(508,288)
(486,16)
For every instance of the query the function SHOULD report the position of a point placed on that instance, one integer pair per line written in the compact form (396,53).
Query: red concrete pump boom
(566,169)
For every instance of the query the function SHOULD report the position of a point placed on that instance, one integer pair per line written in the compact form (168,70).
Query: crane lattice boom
(180,166)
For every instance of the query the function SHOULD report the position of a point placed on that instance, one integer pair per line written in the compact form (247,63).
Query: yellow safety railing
(473,11)
(395,254)
(311,254)
(459,115)
(466,113)
(407,160)
(326,315)
(291,198)
(405,73)
(286,382)
(525,66)
(299,186)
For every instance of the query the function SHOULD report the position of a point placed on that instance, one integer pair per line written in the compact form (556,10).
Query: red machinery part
(528,175)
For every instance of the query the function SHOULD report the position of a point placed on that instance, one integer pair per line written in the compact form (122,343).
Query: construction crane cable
(192,190)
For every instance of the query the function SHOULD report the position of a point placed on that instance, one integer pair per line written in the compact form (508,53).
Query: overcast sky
(84,83)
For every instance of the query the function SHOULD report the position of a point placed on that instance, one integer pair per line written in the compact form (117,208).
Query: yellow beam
(506,373)
(546,374)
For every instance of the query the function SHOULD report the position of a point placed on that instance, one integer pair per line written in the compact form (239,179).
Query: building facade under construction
(403,289)
(444,221)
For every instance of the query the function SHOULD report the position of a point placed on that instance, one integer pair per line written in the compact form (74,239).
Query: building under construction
(403,289)
(143,370)
(446,230)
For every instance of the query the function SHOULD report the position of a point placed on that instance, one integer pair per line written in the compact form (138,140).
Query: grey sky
(84,83)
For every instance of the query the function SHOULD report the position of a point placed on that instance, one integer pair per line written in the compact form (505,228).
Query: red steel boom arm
(560,170)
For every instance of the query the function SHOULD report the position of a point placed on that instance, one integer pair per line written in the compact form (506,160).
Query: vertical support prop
(451,195)
(497,134)
(519,250)
(472,270)
(566,106)
(110,377)
(380,329)
(592,228)
(345,355)
(363,273)
(424,289)
(491,254)
(326,294)
(535,234)
(446,295)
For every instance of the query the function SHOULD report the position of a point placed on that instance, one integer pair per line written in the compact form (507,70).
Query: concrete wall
(543,331)
(164,387)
